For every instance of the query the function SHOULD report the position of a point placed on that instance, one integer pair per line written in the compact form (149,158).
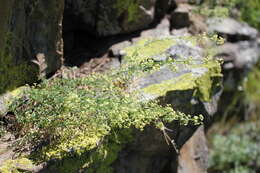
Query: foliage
(2,130)
(14,165)
(91,118)
(251,84)
(238,151)
(131,7)
(249,10)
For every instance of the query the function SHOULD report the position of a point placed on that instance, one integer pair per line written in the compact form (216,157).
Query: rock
(29,28)
(111,17)
(233,29)
(194,154)
(243,54)
(198,25)
(161,30)
(180,32)
(180,16)
(118,47)
(153,84)
(175,87)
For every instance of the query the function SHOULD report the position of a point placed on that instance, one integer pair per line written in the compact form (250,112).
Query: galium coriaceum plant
(61,116)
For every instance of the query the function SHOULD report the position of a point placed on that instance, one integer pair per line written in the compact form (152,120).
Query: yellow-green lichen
(202,84)
(184,82)
(148,48)
(16,166)
(81,122)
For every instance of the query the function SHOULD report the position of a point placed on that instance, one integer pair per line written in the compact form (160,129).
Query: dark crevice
(81,45)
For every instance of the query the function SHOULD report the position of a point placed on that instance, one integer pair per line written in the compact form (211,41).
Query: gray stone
(231,27)
(117,49)
(243,54)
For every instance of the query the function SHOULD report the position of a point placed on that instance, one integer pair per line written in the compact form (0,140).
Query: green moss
(14,74)
(184,82)
(249,10)
(252,86)
(14,71)
(85,122)
(202,84)
(131,7)
(13,166)
(148,48)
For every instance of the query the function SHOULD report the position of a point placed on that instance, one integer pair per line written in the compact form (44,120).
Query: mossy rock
(94,119)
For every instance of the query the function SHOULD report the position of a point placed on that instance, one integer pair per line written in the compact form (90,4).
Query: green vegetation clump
(14,166)
(85,122)
(237,152)
(249,11)
(131,7)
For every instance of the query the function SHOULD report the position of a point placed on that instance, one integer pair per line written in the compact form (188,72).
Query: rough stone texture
(112,17)
(228,26)
(149,151)
(193,156)
(29,28)
(240,52)
(180,17)
(159,31)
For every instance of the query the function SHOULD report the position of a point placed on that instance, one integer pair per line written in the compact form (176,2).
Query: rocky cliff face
(31,43)
(112,17)
(29,28)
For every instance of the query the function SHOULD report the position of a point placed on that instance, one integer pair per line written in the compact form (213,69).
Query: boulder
(175,85)
(180,17)
(194,154)
(111,17)
(29,28)
(242,54)
(177,74)
(231,29)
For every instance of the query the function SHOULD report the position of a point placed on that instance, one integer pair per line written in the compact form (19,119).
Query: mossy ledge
(82,124)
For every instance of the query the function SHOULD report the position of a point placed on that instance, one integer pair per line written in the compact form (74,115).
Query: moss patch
(16,166)
(83,123)
(131,7)
(14,74)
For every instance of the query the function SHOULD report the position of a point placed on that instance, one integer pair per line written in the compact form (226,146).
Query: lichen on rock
(86,122)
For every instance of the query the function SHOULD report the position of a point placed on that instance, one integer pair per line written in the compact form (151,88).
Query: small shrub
(238,151)
(60,118)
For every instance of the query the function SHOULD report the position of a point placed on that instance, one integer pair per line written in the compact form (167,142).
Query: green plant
(91,118)
(249,10)
(238,151)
